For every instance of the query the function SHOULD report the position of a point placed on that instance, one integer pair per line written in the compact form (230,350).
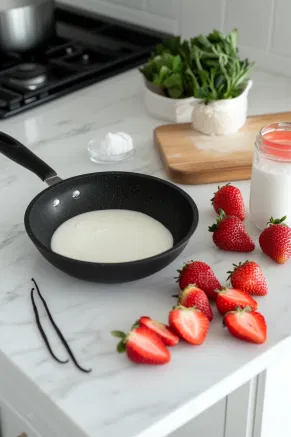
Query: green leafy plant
(205,67)
(165,72)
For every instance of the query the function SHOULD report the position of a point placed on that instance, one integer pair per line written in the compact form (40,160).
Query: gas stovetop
(86,49)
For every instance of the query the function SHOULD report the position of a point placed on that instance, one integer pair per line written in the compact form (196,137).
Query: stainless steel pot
(25,24)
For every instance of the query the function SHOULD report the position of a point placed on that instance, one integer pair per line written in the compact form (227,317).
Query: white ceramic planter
(164,108)
(221,117)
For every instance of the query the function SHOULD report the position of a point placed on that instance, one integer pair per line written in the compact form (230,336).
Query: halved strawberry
(165,332)
(142,346)
(229,299)
(193,296)
(247,325)
(190,324)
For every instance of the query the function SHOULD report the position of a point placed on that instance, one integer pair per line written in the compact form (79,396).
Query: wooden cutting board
(193,158)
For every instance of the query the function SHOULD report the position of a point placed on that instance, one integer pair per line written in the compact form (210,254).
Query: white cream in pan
(111,236)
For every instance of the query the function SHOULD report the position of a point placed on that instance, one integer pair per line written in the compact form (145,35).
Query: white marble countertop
(118,397)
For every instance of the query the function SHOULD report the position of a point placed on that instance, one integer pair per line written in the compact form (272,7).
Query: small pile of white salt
(114,147)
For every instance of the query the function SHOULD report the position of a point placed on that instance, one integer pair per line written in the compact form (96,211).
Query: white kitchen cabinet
(239,415)
(277,421)
(13,425)
(210,423)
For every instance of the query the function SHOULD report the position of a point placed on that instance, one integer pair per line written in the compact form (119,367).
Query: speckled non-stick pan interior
(111,190)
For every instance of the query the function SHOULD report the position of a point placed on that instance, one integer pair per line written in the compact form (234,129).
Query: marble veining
(118,397)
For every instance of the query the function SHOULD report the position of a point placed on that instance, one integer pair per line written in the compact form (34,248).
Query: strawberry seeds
(201,291)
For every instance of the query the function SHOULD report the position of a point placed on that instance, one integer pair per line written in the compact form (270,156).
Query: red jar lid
(276,142)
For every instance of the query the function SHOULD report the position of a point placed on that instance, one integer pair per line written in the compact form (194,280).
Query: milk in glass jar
(271,175)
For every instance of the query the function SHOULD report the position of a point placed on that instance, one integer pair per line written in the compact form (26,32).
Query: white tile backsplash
(264,25)
(252,18)
(135,4)
(141,12)
(201,16)
(281,40)
(163,8)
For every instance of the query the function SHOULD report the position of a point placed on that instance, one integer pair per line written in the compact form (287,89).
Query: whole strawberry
(229,199)
(193,296)
(275,240)
(229,233)
(248,277)
(200,274)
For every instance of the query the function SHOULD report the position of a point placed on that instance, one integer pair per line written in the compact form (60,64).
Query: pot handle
(20,154)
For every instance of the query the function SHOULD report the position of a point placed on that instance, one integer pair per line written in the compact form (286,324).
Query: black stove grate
(86,49)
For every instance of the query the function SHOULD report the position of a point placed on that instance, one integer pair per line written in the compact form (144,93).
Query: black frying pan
(95,191)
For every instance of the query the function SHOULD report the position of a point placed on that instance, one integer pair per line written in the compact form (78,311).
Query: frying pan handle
(20,154)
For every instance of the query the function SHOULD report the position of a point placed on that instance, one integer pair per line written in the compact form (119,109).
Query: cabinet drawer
(13,425)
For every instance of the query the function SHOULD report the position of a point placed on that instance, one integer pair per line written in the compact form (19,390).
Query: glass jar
(271,175)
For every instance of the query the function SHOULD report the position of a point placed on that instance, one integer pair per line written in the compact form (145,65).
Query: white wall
(264,25)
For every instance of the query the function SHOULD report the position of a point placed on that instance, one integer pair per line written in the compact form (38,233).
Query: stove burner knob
(86,59)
